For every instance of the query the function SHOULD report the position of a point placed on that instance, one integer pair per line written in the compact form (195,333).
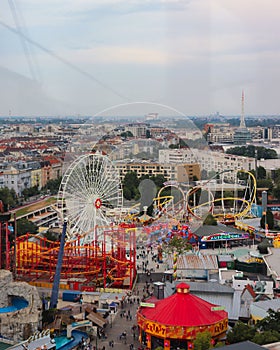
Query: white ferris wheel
(90,186)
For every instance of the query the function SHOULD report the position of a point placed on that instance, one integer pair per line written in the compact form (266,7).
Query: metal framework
(241,204)
(82,264)
(5,259)
(89,187)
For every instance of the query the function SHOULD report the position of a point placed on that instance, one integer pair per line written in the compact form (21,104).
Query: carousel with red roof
(174,322)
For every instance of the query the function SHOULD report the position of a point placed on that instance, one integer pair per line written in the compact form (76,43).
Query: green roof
(207,230)
(4,346)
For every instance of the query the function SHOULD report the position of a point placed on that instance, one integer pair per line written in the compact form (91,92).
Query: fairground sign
(224,236)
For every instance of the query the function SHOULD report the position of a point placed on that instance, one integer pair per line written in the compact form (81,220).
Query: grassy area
(39,205)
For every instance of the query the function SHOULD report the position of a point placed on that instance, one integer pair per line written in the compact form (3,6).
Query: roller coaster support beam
(56,281)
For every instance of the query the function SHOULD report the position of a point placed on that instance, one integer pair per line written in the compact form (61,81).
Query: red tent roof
(183,309)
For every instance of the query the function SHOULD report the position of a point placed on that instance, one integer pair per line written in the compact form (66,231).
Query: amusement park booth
(221,236)
(175,321)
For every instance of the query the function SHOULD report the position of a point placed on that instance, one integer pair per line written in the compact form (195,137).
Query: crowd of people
(125,317)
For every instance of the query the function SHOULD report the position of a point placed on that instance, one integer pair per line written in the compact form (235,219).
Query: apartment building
(273,132)
(51,168)
(172,172)
(36,174)
(219,133)
(22,175)
(137,129)
(17,177)
(210,162)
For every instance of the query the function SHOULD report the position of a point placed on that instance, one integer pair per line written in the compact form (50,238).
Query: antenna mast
(242,119)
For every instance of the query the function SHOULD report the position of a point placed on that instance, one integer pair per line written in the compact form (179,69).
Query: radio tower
(242,119)
(242,134)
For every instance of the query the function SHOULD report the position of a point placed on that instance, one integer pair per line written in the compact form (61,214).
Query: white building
(220,133)
(182,173)
(270,165)
(259,309)
(211,162)
(239,282)
(17,177)
(137,129)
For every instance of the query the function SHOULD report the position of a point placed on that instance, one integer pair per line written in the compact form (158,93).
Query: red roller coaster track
(93,264)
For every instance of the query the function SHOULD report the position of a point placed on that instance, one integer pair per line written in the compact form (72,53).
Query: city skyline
(83,57)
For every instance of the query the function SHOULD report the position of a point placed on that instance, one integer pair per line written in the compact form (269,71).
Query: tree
(268,329)
(51,235)
(195,178)
(8,197)
(52,186)
(219,345)
(252,151)
(29,192)
(131,179)
(265,331)
(229,202)
(267,219)
(267,337)
(271,322)
(240,332)
(130,185)
(276,192)
(25,226)
(261,172)
(277,176)
(182,143)
(127,193)
(159,180)
(126,134)
(48,316)
(203,341)
(210,220)
(177,244)
(265,183)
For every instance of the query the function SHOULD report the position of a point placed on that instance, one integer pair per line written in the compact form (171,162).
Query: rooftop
(183,309)
(248,345)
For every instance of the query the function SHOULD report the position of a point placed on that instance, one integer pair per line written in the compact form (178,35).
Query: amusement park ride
(101,252)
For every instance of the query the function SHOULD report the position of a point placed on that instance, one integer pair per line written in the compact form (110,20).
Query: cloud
(95,4)
(121,55)
(55,12)
(21,95)
(173,43)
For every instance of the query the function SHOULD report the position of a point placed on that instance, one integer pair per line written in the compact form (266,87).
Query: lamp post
(256,163)
(15,246)
(108,305)
(264,209)
(96,336)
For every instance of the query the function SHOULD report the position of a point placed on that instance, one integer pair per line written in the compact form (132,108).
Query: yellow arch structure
(211,203)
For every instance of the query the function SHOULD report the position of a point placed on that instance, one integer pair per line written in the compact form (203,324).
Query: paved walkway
(119,324)
(273,262)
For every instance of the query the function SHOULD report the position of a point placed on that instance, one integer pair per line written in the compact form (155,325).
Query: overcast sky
(78,57)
